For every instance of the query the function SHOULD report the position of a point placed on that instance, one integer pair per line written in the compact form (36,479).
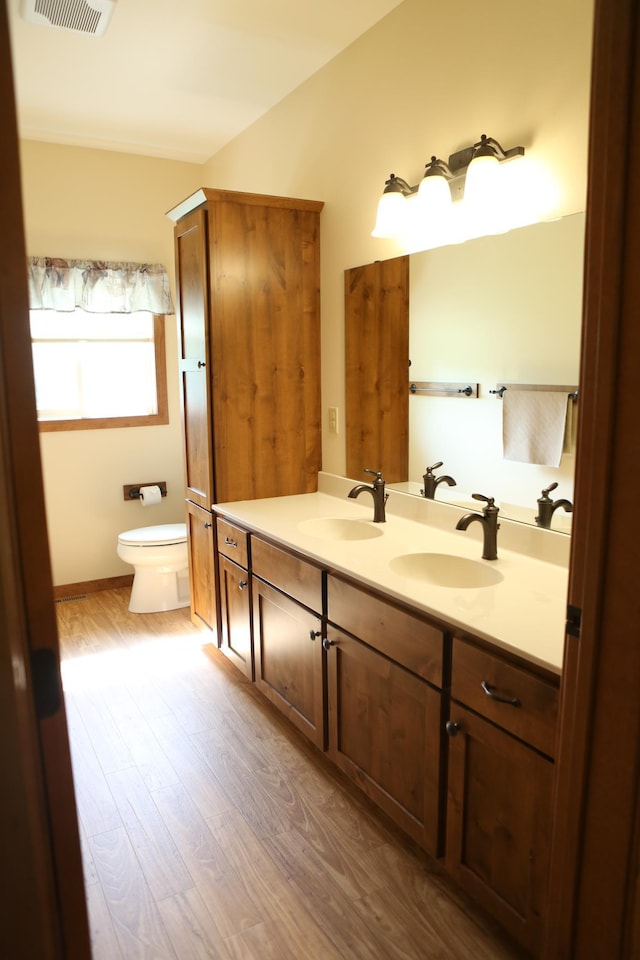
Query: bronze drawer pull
(512,701)
(327,644)
(230,543)
(242,584)
(313,634)
(206,526)
(452,728)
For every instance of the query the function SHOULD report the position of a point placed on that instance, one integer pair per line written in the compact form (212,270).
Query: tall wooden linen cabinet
(248,307)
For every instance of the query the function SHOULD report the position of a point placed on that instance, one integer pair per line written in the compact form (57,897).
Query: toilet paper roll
(149,496)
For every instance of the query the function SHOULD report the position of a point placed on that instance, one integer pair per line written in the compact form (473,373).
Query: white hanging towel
(533,425)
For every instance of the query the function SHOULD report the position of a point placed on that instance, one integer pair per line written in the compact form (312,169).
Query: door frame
(594,901)
(43,899)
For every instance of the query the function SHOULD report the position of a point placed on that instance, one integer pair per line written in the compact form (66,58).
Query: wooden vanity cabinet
(385,668)
(287,636)
(201,565)
(235,595)
(502,728)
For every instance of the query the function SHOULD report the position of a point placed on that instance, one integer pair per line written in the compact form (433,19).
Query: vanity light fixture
(470,172)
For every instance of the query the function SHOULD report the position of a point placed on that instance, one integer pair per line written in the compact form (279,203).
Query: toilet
(159,557)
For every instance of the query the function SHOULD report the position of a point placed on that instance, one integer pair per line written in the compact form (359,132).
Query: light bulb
(392,215)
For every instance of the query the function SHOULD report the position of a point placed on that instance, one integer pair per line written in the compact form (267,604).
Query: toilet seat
(159,535)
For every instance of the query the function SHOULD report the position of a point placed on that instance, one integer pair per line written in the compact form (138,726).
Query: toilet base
(155,590)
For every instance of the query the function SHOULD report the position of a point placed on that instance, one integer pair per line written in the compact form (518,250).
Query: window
(96,370)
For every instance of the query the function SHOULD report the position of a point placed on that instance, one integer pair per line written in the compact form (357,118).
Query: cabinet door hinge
(574,618)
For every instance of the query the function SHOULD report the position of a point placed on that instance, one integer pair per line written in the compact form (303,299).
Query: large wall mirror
(497,310)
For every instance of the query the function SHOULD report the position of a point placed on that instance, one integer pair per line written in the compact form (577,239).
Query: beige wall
(108,206)
(429,78)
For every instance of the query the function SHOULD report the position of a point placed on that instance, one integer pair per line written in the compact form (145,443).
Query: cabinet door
(498,823)
(265,347)
(201,575)
(193,320)
(289,661)
(235,615)
(376,320)
(385,732)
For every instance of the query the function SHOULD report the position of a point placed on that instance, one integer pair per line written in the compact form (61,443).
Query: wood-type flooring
(211,829)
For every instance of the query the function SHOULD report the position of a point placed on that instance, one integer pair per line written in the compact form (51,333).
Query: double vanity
(428,675)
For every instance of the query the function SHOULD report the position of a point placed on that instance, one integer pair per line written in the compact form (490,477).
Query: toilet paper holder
(132,490)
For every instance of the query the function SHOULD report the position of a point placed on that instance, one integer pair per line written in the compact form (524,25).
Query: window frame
(160,418)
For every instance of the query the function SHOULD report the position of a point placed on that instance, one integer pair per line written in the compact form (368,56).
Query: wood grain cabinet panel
(292,575)
(499,823)
(398,633)
(233,542)
(289,663)
(502,720)
(235,615)
(385,734)
(248,307)
(201,565)
(522,702)
(191,243)
(377,368)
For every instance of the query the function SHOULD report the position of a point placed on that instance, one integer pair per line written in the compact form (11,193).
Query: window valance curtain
(97,286)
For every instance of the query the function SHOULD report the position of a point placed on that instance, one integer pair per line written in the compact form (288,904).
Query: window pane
(57,382)
(118,379)
(52,325)
(94,366)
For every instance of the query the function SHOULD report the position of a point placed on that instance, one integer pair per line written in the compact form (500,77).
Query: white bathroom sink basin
(340,528)
(445,570)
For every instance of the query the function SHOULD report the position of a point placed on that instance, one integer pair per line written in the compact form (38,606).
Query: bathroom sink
(445,570)
(339,528)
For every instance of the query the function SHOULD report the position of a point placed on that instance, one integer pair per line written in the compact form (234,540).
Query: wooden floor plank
(228,766)
(104,943)
(211,828)
(440,902)
(198,779)
(220,885)
(136,920)
(163,867)
(146,752)
(96,807)
(295,919)
(109,746)
(188,923)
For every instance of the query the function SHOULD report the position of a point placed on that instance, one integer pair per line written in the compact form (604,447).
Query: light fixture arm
(398,185)
(438,168)
(488,147)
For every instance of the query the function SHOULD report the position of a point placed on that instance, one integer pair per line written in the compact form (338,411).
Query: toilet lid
(161,534)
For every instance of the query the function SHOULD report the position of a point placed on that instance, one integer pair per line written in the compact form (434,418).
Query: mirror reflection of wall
(499,309)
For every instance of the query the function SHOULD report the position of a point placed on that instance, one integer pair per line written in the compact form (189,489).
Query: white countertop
(524,613)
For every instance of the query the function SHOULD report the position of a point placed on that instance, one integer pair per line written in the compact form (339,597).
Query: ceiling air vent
(76,15)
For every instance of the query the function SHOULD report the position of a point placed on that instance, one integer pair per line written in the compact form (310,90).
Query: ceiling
(175,79)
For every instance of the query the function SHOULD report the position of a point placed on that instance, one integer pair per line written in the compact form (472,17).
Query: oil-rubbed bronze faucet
(547,506)
(431,481)
(490,526)
(376,489)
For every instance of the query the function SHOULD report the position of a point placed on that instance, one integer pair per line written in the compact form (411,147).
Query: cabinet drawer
(295,577)
(483,681)
(404,637)
(232,542)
